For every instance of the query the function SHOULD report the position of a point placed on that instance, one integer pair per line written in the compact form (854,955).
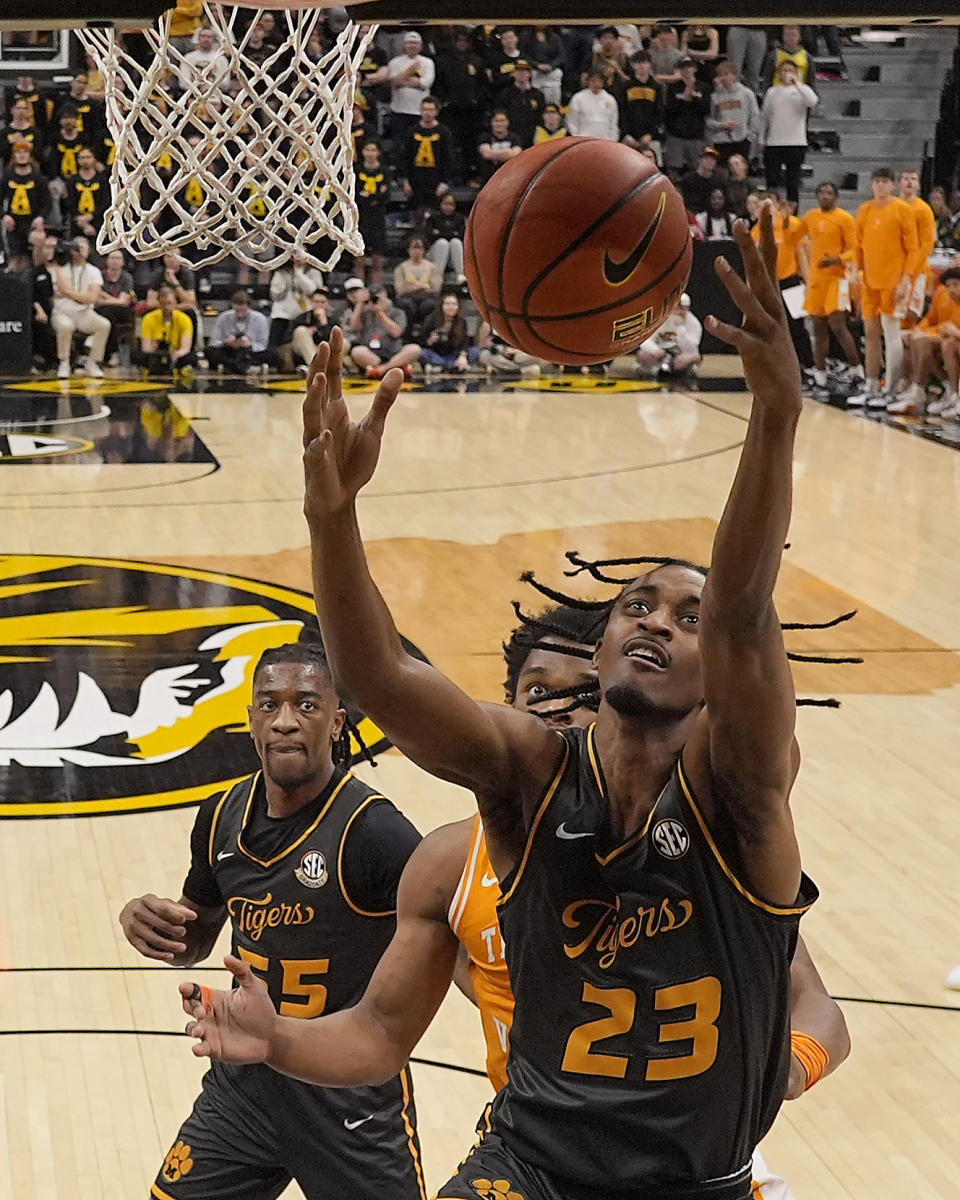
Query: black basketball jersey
(291,916)
(650,1043)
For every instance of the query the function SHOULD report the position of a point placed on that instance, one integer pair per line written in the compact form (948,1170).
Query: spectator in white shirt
(290,290)
(783,129)
(675,348)
(77,288)
(411,76)
(593,112)
(209,63)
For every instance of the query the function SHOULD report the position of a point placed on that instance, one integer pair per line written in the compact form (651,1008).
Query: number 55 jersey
(650,1042)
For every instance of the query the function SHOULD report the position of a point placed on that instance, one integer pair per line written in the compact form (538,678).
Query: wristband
(812,1055)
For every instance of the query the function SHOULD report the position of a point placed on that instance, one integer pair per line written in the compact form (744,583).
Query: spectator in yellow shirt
(551,127)
(166,336)
(184,23)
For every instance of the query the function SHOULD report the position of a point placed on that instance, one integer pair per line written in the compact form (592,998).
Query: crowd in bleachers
(723,113)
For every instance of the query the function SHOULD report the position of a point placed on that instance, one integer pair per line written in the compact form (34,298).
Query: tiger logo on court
(124,685)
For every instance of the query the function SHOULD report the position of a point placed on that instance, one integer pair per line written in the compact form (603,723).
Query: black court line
(105,491)
(173,1033)
(167,1033)
(897,1003)
(443,491)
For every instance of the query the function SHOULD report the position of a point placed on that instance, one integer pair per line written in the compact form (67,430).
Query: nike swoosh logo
(566,835)
(619,272)
(489,881)
(224,854)
(354,1124)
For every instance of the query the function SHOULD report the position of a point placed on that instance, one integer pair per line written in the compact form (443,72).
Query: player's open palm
(339,455)
(770,363)
(234,1026)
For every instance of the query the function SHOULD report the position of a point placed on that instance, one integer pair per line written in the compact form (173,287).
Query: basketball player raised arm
(739,750)
(738,747)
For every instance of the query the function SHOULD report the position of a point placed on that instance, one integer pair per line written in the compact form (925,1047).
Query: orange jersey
(926,230)
(943,308)
(831,234)
(787,235)
(473,918)
(887,244)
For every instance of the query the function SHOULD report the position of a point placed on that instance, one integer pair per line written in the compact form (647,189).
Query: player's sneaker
(877,399)
(857,399)
(909,403)
(953,979)
(953,412)
(937,408)
(63,371)
(93,369)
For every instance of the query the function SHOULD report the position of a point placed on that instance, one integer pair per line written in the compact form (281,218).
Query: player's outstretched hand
(234,1026)
(339,455)
(770,364)
(156,926)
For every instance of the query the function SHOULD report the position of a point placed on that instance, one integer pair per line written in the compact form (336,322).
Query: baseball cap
(709,150)
(412,36)
(360,100)
(552,108)
(521,65)
(353,283)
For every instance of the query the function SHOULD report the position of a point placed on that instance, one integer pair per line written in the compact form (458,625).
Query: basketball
(577,250)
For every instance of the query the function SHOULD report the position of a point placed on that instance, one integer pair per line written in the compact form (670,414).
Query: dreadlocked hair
(595,567)
(603,608)
(565,621)
(311,653)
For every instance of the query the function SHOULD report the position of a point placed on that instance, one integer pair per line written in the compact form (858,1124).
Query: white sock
(857,370)
(893,349)
(873,385)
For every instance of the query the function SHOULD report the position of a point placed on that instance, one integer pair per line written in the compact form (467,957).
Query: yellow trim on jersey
(535,824)
(215,822)
(775,909)
(159,1193)
(458,905)
(302,838)
(407,1124)
(598,773)
(387,912)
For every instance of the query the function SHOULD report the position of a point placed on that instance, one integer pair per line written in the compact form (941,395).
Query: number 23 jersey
(650,1042)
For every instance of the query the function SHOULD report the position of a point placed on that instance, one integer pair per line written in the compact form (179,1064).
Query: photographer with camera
(241,337)
(77,288)
(166,336)
(376,329)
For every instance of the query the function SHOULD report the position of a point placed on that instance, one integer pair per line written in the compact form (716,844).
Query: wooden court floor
(473,488)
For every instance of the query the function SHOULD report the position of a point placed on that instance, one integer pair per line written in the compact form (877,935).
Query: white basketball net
(253,161)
